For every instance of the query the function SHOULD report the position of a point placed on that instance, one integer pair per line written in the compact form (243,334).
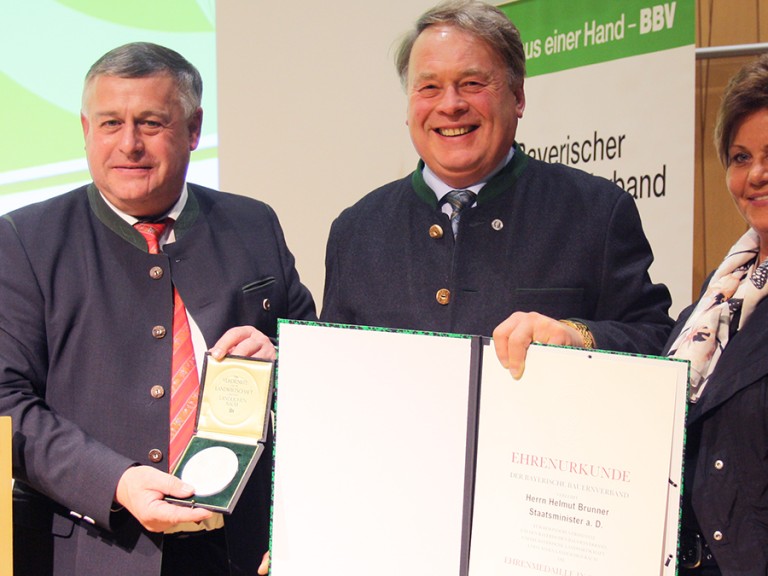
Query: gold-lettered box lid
(235,397)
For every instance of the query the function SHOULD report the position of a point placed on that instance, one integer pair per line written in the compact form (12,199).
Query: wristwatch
(586,335)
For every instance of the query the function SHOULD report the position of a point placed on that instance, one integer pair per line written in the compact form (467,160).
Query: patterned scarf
(733,292)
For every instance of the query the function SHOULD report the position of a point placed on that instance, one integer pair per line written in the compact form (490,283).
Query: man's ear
(85,124)
(195,126)
(519,100)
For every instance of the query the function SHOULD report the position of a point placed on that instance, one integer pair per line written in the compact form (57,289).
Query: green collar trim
(423,191)
(188,215)
(112,221)
(503,181)
(127,232)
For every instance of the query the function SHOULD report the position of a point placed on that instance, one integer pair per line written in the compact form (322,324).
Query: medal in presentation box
(230,432)
(418,453)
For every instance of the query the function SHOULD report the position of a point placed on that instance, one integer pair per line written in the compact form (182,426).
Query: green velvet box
(233,420)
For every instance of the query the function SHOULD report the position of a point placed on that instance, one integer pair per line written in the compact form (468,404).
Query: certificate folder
(417,453)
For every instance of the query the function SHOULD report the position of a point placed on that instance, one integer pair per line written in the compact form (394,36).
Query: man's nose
(131,141)
(452,101)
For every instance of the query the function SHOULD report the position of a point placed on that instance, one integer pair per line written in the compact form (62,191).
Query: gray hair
(479,19)
(144,59)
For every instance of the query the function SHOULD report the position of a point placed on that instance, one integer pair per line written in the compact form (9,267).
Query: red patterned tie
(184,381)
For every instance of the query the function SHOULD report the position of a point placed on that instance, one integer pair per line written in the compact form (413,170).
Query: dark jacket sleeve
(301,305)
(46,445)
(631,313)
(333,309)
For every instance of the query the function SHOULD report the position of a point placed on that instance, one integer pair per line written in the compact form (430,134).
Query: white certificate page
(578,465)
(370,452)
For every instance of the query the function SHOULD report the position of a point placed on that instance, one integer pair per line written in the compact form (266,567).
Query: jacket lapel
(743,362)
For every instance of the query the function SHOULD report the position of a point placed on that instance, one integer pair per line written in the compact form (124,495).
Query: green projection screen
(47,47)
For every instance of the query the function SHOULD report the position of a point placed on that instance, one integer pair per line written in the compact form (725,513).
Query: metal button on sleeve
(719,464)
(158,332)
(443,296)
(435,231)
(155,455)
(717,535)
(266,304)
(497,224)
(156,272)
(157,392)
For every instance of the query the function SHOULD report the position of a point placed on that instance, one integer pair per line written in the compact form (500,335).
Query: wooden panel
(717,224)
(726,22)
(6,525)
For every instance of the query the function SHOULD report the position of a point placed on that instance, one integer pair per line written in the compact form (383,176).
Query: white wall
(311,112)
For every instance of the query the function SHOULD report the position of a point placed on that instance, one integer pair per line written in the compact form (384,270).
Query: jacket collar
(743,362)
(502,182)
(111,220)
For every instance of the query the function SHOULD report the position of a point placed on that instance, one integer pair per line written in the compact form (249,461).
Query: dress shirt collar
(440,188)
(173,213)
(169,234)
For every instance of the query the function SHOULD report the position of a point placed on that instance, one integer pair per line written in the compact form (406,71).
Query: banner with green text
(610,90)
